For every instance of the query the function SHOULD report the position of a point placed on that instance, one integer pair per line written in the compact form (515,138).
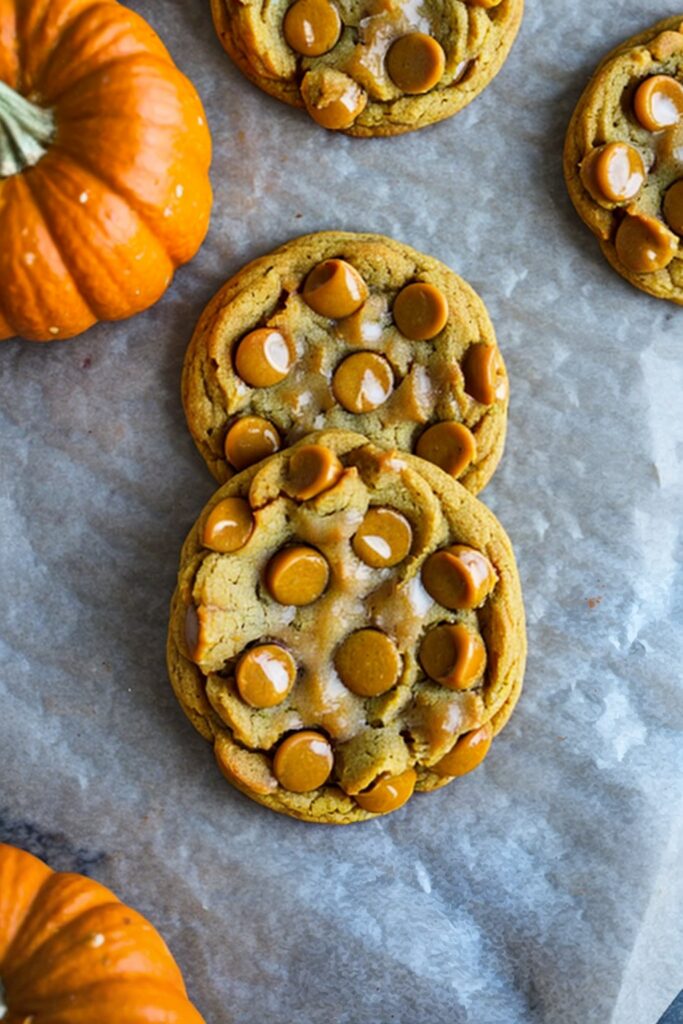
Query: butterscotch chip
(389,793)
(303,762)
(615,172)
(263,358)
(374,667)
(467,754)
(363,382)
(229,525)
(453,655)
(366,326)
(393,391)
(673,207)
(420,311)
(319,52)
(264,675)
(383,539)
(451,446)
(658,103)
(415,63)
(335,289)
(312,470)
(249,440)
(484,373)
(312,27)
(623,156)
(297,575)
(368,662)
(644,244)
(458,577)
(332,99)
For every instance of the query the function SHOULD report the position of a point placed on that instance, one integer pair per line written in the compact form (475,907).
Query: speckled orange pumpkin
(104,157)
(72,953)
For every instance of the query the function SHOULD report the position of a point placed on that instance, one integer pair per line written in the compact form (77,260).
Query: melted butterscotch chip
(453,655)
(365,327)
(451,446)
(658,103)
(303,762)
(264,675)
(420,311)
(440,725)
(229,525)
(388,794)
(297,575)
(312,470)
(195,633)
(249,440)
(644,244)
(615,172)
(484,375)
(458,577)
(334,289)
(332,98)
(383,539)
(415,63)
(467,754)
(673,207)
(368,662)
(312,27)
(264,357)
(363,382)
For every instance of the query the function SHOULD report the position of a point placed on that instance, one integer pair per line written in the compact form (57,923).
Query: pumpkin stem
(26,130)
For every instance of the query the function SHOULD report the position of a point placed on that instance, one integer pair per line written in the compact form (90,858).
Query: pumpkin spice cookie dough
(347,628)
(351,331)
(624,159)
(370,67)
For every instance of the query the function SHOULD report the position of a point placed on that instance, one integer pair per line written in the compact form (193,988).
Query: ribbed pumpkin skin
(72,953)
(95,230)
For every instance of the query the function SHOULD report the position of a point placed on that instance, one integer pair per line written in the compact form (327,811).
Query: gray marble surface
(546,887)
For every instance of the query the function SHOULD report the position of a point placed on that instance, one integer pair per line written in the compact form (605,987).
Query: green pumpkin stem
(26,130)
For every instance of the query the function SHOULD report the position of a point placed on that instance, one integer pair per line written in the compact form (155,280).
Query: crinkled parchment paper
(546,887)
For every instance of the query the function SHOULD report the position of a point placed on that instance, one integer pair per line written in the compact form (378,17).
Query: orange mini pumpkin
(72,953)
(104,158)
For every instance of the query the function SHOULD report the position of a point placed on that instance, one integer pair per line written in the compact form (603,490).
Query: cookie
(376,67)
(623,159)
(347,628)
(355,332)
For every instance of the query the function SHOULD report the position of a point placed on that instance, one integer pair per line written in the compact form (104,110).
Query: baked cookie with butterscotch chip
(347,628)
(623,159)
(370,67)
(355,332)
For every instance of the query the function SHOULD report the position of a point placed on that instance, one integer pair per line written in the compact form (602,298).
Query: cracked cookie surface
(623,159)
(376,67)
(347,628)
(355,332)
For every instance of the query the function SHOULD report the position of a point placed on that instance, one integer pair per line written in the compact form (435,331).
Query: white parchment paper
(546,887)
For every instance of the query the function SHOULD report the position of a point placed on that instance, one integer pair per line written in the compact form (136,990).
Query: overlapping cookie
(352,331)
(370,67)
(347,628)
(624,159)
